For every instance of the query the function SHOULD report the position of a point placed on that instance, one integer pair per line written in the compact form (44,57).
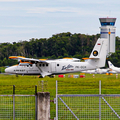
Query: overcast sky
(26,19)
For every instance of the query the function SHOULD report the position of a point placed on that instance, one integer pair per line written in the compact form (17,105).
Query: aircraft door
(53,67)
(17,70)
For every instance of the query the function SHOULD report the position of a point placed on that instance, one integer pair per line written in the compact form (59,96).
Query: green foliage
(58,46)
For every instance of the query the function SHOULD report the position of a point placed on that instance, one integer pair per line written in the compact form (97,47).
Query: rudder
(98,55)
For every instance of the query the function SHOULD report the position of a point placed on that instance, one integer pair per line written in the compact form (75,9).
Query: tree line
(58,46)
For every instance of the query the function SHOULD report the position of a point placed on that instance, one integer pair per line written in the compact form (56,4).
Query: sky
(22,20)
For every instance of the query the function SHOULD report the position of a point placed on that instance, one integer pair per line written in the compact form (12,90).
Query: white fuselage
(54,67)
(99,71)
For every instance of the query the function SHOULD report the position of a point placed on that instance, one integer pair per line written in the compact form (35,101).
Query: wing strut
(39,68)
(43,73)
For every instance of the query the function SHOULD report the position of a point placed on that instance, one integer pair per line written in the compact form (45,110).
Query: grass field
(26,84)
(88,85)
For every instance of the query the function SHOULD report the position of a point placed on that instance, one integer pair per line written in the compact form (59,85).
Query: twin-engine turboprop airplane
(30,66)
(100,71)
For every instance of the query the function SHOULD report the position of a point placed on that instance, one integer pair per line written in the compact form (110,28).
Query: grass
(88,85)
(26,84)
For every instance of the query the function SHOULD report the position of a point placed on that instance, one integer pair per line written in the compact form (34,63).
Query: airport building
(108,30)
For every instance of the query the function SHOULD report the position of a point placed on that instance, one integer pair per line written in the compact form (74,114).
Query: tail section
(98,55)
(110,65)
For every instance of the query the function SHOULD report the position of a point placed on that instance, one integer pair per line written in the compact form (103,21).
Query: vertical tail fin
(110,65)
(98,55)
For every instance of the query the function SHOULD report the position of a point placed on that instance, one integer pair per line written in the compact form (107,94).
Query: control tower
(107,30)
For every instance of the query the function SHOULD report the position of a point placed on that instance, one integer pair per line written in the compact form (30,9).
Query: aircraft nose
(7,70)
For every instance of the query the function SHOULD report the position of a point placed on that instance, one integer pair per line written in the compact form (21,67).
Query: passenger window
(46,64)
(57,64)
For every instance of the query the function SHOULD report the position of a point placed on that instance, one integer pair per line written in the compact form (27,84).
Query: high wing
(27,59)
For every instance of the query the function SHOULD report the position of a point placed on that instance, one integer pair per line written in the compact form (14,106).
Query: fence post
(56,100)
(43,109)
(35,102)
(13,102)
(100,100)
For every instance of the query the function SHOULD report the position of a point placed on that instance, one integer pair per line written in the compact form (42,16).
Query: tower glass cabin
(107,30)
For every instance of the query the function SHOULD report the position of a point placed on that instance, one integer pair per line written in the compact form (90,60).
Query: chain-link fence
(75,106)
(92,107)
(17,107)
(6,107)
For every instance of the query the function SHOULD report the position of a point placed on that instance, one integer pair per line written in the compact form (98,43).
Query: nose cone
(7,70)
(10,69)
